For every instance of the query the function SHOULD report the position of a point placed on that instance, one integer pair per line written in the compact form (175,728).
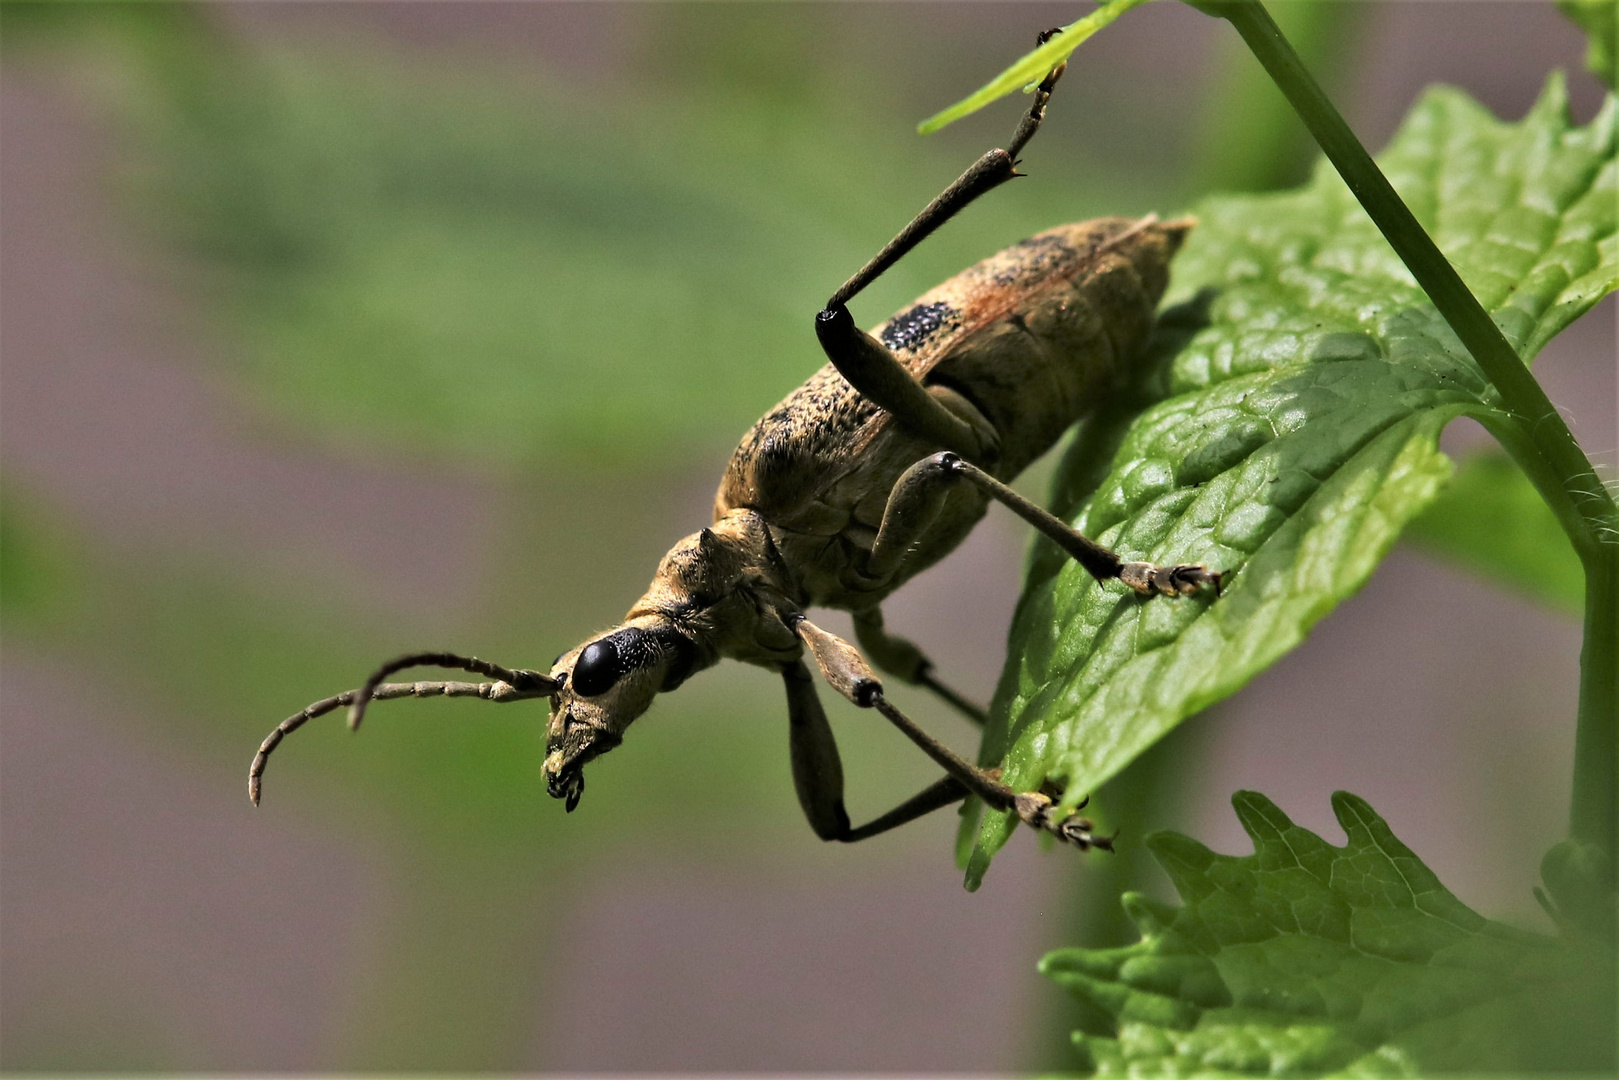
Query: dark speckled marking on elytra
(1037,255)
(910,330)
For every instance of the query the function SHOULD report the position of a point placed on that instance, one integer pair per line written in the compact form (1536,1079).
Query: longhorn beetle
(869,473)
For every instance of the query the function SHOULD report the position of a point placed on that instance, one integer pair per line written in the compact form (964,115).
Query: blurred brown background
(336,330)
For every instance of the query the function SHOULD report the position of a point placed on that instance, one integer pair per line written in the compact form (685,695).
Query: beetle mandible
(869,473)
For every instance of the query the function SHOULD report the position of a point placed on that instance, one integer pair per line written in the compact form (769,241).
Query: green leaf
(1297,431)
(1033,66)
(1600,21)
(1305,959)
(1492,521)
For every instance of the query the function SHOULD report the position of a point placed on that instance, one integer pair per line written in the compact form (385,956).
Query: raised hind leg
(936,413)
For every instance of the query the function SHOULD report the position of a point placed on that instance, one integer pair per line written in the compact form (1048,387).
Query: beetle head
(606,683)
(699,607)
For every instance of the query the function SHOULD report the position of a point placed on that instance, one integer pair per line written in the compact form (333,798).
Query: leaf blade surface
(1296,431)
(1308,959)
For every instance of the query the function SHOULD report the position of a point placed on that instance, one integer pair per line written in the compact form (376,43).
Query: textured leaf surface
(1298,429)
(1492,521)
(1305,959)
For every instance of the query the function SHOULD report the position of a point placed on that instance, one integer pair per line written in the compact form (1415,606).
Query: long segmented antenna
(513,685)
(517,679)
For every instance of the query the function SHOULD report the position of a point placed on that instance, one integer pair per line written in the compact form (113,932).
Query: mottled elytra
(869,473)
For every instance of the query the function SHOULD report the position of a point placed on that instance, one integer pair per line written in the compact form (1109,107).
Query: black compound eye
(597,668)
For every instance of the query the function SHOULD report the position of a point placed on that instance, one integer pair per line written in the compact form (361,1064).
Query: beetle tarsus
(1039,811)
(1182,580)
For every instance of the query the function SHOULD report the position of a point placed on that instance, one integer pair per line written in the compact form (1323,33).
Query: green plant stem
(1543,445)
(1596,766)
(1594,812)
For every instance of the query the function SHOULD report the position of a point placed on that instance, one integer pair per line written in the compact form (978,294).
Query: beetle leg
(919,496)
(868,364)
(817,768)
(847,671)
(872,369)
(943,792)
(987,173)
(903,660)
(818,771)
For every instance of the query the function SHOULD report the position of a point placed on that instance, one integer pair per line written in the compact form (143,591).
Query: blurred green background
(338,330)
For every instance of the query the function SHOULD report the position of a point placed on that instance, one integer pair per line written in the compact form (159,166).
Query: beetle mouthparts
(569,785)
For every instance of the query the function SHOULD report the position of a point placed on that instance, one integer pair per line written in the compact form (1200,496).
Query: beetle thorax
(726,587)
